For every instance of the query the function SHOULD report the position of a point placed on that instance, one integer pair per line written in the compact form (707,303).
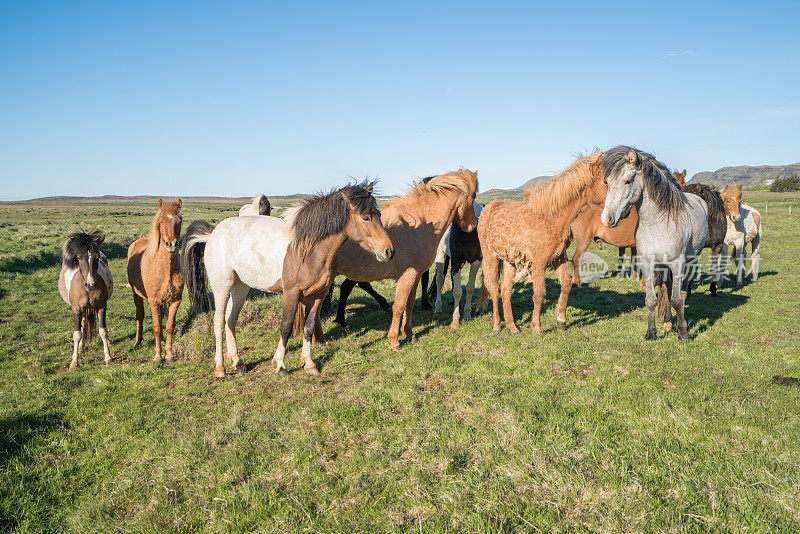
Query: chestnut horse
(154,273)
(588,227)
(744,226)
(85,284)
(416,223)
(317,232)
(533,234)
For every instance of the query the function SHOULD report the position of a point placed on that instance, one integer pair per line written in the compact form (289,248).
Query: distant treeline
(781,185)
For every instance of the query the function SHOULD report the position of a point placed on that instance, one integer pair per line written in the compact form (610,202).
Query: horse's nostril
(389,253)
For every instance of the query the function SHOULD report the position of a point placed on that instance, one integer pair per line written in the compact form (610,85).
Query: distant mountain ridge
(493,194)
(747,176)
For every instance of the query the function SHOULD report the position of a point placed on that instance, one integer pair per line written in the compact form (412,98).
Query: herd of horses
(623,197)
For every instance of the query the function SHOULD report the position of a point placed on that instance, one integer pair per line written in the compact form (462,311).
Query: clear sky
(239,98)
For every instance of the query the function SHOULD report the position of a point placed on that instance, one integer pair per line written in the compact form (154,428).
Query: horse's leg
(405,284)
(741,259)
(473,274)
(101,322)
(407,326)
(634,265)
(237,298)
(77,315)
(344,292)
(620,262)
(378,297)
(437,305)
(308,335)
(156,312)
(537,274)
(291,299)
(139,303)
(668,282)
(576,261)
(456,274)
(509,271)
(491,268)
(426,305)
(755,258)
(221,296)
(677,296)
(714,269)
(650,298)
(563,277)
(172,312)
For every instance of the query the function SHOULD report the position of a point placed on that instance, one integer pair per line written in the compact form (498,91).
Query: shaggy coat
(717,225)
(743,227)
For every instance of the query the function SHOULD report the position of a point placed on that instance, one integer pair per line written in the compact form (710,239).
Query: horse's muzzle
(171,246)
(735,218)
(89,285)
(386,255)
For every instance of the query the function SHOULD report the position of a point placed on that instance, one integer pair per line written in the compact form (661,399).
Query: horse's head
(625,186)
(732,197)
(465,216)
(82,251)
(680,177)
(169,221)
(364,222)
(264,206)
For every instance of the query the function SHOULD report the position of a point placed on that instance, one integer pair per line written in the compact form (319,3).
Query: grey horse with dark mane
(672,228)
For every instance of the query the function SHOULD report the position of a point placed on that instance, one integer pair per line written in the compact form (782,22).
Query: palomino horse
(318,230)
(672,229)
(415,223)
(588,227)
(85,284)
(743,227)
(154,273)
(533,234)
(717,225)
(259,205)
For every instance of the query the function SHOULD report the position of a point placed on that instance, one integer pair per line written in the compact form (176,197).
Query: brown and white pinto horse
(416,223)
(533,234)
(154,274)
(85,284)
(318,230)
(744,226)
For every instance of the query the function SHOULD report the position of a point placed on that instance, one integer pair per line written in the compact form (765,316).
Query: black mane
(78,243)
(659,184)
(716,206)
(326,214)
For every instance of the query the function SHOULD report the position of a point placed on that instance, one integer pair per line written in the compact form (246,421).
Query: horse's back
(134,268)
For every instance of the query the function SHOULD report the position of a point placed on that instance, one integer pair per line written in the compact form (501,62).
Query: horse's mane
(326,214)
(461,181)
(554,195)
(80,242)
(659,184)
(712,197)
(166,208)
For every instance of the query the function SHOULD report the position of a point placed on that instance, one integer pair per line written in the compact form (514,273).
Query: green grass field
(591,429)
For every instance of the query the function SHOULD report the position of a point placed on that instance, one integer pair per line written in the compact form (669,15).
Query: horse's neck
(566,216)
(440,214)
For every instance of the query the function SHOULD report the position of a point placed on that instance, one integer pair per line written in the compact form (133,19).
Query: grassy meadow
(589,429)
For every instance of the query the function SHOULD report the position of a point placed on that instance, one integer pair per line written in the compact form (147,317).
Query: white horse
(744,226)
(240,253)
(259,205)
(672,228)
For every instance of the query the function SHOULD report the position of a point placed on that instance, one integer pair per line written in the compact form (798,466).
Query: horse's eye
(628,182)
(366,217)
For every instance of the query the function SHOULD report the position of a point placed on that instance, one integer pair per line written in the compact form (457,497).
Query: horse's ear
(632,157)
(160,202)
(595,167)
(100,239)
(179,203)
(369,186)
(683,174)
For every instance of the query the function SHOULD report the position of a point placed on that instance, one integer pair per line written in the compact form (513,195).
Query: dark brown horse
(85,284)
(318,231)
(154,273)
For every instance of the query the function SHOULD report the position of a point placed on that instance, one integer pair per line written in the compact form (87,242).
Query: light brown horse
(154,274)
(588,227)
(85,284)
(415,223)
(318,230)
(533,234)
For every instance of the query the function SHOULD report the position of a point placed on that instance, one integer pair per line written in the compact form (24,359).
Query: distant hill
(747,176)
(152,199)
(493,194)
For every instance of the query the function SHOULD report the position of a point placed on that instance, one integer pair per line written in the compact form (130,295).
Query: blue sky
(238,98)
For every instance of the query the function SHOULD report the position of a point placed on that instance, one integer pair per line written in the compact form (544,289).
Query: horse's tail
(663,301)
(192,268)
(299,319)
(89,325)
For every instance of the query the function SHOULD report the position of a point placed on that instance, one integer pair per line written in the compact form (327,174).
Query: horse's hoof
(650,335)
(169,363)
(454,325)
(219,373)
(313,371)
(137,344)
(108,362)
(73,366)
(281,372)
(240,367)
(495,331)
(684,337)
(395,347)
(412,339)
(562,325)
(513,329)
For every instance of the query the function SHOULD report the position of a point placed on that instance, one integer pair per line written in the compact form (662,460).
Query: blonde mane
(462,181)
(553,196)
